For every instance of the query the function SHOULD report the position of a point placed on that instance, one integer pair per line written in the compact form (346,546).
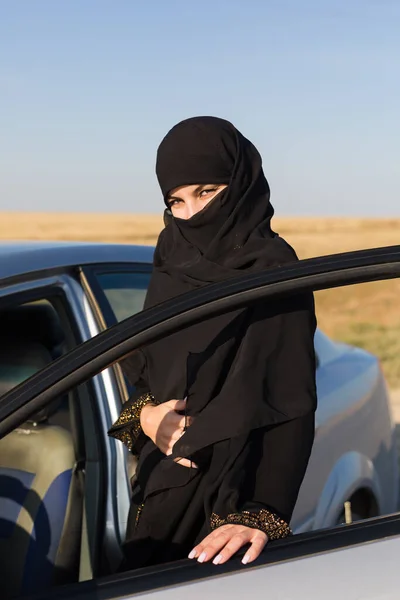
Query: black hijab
(227,366)
(231,234)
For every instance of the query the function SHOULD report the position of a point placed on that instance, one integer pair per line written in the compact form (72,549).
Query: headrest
(20,359)
(35,322)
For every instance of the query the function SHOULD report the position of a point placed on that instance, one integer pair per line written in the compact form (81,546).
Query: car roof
(19,258)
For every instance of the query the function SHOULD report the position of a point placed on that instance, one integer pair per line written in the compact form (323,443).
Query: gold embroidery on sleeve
(275,527)
(127,427)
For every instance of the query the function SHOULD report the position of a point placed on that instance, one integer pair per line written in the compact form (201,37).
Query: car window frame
(91,273)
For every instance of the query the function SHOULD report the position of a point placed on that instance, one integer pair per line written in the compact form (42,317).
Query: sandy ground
(311,236)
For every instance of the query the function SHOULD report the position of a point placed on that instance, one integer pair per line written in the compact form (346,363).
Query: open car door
(321,564)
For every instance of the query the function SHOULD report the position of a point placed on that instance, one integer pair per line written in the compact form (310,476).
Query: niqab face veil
(231,234)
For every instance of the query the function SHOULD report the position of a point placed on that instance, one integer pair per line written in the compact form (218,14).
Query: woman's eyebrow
(171,197)
(201,187)
(198,189)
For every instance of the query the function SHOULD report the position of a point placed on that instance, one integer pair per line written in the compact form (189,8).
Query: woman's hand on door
(222,543)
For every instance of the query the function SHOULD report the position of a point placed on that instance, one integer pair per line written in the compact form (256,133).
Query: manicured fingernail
(192,554)
(202,557)
(245,559)
(217,559)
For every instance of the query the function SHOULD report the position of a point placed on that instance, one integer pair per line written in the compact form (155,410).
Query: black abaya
(249,376)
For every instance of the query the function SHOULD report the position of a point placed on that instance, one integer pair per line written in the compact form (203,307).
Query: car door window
(42,462)
(31,337)
(124,292)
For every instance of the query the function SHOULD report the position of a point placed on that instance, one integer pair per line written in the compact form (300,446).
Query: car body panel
(358,403)
(330,576)
(18,259)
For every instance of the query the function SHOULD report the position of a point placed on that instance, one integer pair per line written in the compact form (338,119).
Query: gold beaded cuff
(127,427)
(268,522)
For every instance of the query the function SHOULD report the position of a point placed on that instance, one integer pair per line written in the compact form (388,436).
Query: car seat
(40,495)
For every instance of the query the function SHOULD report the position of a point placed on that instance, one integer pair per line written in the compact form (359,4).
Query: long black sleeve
(272,464)
(276,466)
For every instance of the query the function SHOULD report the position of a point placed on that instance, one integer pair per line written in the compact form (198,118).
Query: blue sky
(89,87)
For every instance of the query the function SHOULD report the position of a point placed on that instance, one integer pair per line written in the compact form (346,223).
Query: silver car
(64,485)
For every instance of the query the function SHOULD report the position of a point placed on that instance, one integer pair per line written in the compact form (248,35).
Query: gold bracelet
(268,522)
(127,427)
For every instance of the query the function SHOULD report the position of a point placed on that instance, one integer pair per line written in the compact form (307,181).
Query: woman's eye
(204,193)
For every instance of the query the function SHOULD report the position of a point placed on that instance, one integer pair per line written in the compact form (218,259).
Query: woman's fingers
(176,425)
(179,422)
(225,541)
(178,433)
(235,543)
(185,462)
(164,425)
(211,544)
(257,545)
(176,404)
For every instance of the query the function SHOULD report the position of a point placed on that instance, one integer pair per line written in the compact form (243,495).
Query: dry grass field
(367,315)
(310,236)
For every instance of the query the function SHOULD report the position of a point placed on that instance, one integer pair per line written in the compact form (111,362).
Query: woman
(223,413)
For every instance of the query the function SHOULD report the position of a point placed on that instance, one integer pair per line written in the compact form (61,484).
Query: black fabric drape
(249,376)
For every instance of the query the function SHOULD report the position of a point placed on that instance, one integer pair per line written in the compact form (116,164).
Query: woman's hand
(165,426)
(225,541)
